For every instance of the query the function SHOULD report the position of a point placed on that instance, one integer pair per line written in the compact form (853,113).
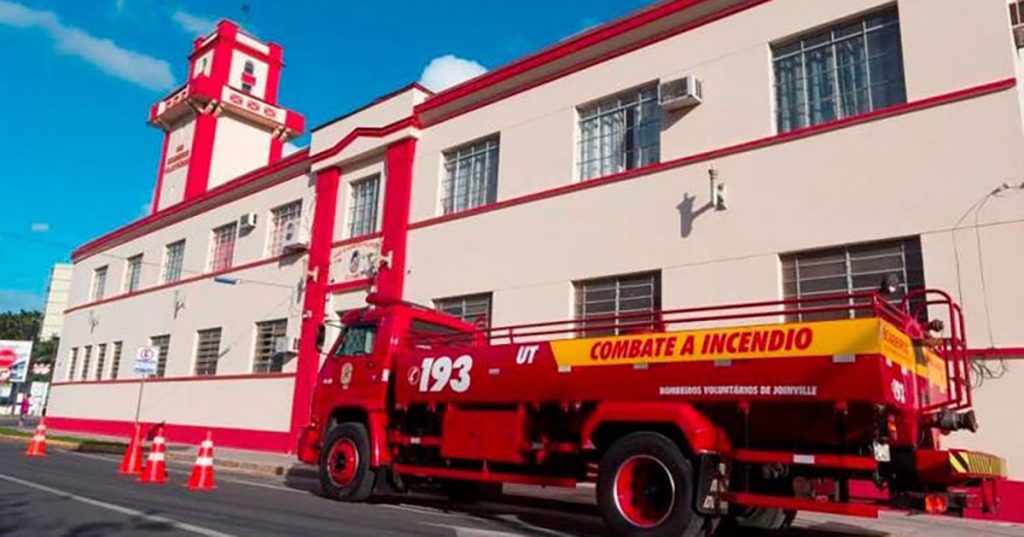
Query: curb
(117,448)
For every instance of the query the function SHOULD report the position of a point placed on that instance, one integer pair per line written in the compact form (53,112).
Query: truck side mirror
(321,337)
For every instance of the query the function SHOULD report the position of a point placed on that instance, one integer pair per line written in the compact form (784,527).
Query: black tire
(351,479)
(459,491)
(659,487)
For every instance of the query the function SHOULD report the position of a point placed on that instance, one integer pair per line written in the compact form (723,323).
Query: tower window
(248,76)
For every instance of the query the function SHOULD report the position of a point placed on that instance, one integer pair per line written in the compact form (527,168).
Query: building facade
(854,139)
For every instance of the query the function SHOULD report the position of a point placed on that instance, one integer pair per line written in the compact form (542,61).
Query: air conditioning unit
(680,93)
(296,237)
(247,221)
(286,345)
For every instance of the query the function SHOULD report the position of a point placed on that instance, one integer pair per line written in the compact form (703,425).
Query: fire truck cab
(739,414)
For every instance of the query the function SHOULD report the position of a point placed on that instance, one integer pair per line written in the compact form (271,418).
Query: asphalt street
(80,495)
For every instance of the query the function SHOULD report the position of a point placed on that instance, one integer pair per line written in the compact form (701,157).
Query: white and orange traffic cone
(131,464)
(202,472)
(37,446)
(156,462)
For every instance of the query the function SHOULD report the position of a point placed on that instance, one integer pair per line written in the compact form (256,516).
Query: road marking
(116,508)
(172,470)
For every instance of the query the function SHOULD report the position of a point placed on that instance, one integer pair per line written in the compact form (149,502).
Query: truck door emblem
(346,374)
(414,375)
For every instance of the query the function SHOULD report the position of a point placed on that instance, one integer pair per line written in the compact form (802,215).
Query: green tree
(23,325)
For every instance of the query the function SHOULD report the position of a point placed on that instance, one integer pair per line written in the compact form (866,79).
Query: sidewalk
(235,459)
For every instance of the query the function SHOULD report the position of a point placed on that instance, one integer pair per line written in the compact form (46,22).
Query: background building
(56,301)
(571,183)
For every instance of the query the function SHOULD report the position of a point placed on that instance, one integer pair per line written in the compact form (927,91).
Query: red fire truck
(737,414)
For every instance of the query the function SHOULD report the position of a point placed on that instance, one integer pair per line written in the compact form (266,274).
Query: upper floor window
(616,305)
(207,351)
(85,363)
(362,213)
(845,70)
(73,364)
(470,176)
(620,133)
(101,360)
(474,309)
(174,257)
(222,248)
(281,219)
(249,67)
(248,79)
(850,269)
(99,282)
(133,273)
(267,359)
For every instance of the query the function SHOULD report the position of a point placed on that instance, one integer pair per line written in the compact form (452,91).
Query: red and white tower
(225,120)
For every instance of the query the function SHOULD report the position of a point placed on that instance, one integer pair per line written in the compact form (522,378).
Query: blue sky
(77,79)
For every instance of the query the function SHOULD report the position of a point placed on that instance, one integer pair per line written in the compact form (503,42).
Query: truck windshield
(357,341)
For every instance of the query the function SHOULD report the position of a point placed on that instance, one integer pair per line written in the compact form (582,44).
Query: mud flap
(712,482)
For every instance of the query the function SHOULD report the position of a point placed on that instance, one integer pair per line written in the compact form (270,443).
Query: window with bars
(222,247)
(280,219)
(133,273)
(265,359)
(474,309)
(850,269)
(848,69)
(470,176)
(162,345)
(85,363)
(115,362)
(207,351)
(99,282)
(1016,12)
(101,360)
(362,213)
(174,257)
(73,364)
(617,296)
(619,133)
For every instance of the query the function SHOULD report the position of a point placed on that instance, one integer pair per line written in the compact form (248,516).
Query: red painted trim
(383,98)
(152,380)
(178,433)
(395,228)
(366,132)
(164,218)
(315,299)
(574,45)
(760,143)
(848,462)
(183,281)
(160,174)
(202,156)
(797,504)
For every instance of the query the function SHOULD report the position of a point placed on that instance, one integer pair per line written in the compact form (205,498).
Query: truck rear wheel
(345,472)
(645,487)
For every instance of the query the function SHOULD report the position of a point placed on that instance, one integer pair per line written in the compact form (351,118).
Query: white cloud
(193,24)
(446,71)
(40,227)
(141,69)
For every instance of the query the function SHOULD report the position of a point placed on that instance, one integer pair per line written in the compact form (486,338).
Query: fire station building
(691,153)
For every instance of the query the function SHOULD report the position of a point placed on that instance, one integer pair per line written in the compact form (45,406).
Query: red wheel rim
(343,462)
(645,491)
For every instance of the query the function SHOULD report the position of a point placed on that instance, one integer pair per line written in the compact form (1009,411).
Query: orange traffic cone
(37,447)
(156,464)
(202,472)
(131,464)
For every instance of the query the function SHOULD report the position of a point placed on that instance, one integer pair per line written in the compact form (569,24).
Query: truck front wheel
(645,488)
(345,472)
